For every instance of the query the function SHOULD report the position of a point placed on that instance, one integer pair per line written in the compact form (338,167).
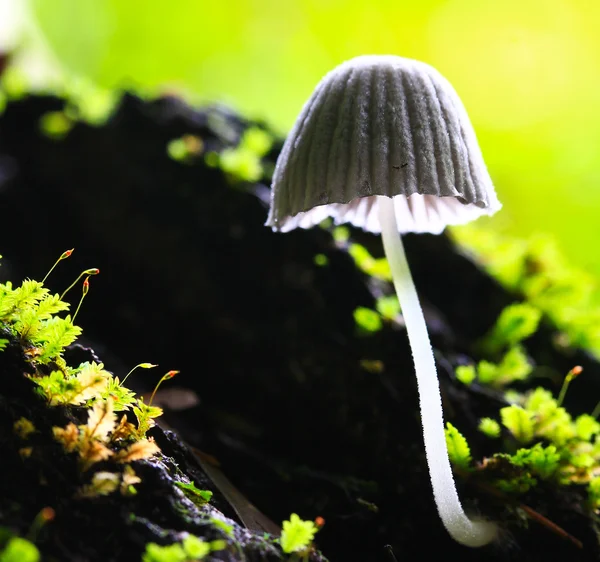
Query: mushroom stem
(460,527)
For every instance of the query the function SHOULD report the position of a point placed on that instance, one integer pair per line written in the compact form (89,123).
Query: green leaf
(241,163)
(54,386)
(489,427)
(19,550)
(169,553)
(257,141)
(518,485)
(514,366)
(195,548)
(466,374)
(367,320)
(542,461)
(321,260)
(16,300)
(144,415)
(341,234)
(297,534)
(458,448)
(518,421)
(55,334)
(540,401)
(388,306)
(204,495)
(227,529)
(515,323)
(586,426)
(122,396)
(551,421)
(375,267)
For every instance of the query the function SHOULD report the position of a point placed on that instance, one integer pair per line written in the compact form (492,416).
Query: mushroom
(384,143)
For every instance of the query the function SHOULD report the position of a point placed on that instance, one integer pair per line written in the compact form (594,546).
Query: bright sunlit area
(528,73)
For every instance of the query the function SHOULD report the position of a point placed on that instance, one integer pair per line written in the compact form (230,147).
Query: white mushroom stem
(460,527)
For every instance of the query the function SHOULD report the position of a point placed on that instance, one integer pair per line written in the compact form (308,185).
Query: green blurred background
(528,72)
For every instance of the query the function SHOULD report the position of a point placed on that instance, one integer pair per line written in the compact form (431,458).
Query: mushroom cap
(381,125)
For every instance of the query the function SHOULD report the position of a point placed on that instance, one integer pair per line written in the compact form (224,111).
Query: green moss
(84,101)
(17,549)
(388,306)
(199,497)
(466,374)
(321,260)
(558,449)
(513,367)
(515,323)
(35,319)
(458,449)
(244,162)
(489,427)
(55,124)
(539,272)
(297,535)
(374,267)
(190,548)
(341,234)
(185,149)
(14,84)
(367,320)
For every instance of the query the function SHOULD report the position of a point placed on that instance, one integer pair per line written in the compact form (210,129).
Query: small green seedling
(191,548)
(297,535)
(458,448)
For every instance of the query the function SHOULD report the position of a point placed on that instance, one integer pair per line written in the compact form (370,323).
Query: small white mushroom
(385,143)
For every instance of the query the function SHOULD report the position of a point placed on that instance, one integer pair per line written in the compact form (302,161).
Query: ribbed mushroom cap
(381,125)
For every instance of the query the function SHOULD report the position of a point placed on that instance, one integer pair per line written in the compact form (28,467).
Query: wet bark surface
(192,280)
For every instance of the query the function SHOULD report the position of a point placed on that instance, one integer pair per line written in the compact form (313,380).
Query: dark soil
(192,280)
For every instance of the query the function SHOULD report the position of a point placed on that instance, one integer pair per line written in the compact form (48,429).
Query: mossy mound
(304,411)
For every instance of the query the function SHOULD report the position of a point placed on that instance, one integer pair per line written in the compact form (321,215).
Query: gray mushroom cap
(381,125)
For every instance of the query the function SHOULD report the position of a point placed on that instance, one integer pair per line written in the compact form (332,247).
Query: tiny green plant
(186,148)
(388,306)
(198,496)
(30,317)
(519,421)
(189,549)
(515,323)
(489,427)
(297,535)
(458,448)
(29,312)
(514,366)
(17,549)
(374,267)
(544,442)
(244,162)
(367,320)
(536,269)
